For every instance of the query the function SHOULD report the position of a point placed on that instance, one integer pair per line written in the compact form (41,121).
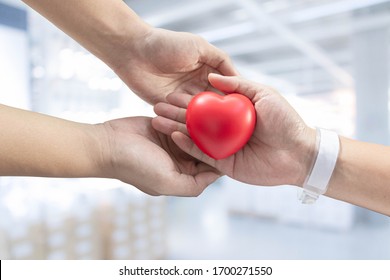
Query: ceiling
(302,46)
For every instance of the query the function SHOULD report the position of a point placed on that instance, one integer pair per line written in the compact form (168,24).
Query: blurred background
(329,58)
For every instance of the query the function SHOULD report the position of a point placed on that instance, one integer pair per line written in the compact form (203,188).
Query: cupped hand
(280,150)
(137,154)
(163,62)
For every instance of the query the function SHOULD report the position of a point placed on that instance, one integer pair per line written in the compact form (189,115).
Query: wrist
(317,180)
(105,28)
(122,42)
(306,154)
(98,145)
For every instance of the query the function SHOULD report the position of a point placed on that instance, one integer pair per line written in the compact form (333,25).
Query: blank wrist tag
(317,182)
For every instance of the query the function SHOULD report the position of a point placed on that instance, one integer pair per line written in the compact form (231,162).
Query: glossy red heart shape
(220,125)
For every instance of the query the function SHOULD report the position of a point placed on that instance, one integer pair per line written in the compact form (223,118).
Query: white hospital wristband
(316,183)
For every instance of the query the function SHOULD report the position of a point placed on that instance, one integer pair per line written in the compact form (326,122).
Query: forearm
(33,144)
(362,175)
(104,27)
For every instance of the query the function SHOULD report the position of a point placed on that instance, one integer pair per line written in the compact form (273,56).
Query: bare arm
(362,175)
(107,28)
(152,62)
(128,149)
(33,144)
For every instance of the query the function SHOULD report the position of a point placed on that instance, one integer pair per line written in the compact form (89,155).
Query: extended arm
(107,28)
(33,144)
(152,62)
(128,149)
(362,175)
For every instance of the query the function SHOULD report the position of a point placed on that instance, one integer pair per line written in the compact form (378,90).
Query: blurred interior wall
(14,57)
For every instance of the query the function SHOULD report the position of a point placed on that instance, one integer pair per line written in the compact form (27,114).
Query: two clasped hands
(167,69)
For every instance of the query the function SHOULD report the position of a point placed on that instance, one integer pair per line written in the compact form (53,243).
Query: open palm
(149,160)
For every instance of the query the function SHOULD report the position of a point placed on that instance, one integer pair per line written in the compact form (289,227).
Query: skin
(153,63)
(127,149)
(282,148)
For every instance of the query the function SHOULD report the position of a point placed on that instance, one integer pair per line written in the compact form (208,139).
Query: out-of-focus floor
(201,228)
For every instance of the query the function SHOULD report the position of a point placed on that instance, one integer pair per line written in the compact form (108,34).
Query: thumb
(235,84)
(188,146)
(216,58)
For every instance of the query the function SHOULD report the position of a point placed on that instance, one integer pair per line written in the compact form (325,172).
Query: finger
(179,99)
(217,59)
(185,143)
(213,89)
(235,85)
(203,167)
(182,100)
(170,112)
(204,179)
(186,185)
(168,126)
(227,68)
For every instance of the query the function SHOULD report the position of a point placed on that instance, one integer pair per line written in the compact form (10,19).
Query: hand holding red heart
(220,125)
(279,151)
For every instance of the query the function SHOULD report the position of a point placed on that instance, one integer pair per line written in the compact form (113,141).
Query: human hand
(137,154)
(152,62)
(282,146)
(161,62)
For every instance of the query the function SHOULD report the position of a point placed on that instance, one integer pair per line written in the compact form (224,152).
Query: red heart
(220,125)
